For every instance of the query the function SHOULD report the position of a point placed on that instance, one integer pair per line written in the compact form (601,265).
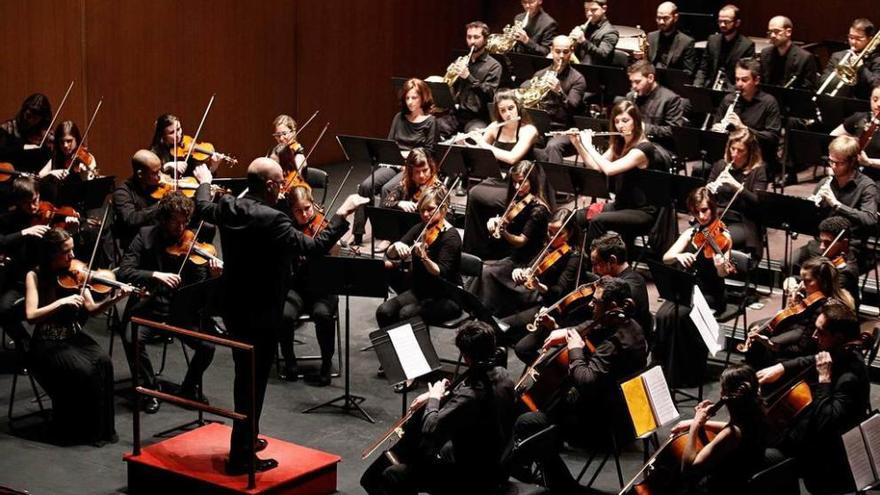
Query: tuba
(504,42)
(538,87)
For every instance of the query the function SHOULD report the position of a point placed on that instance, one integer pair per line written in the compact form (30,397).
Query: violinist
(724,464)
(698,255)
(839,383)
(841,254)
(28,126)
(66,141)
(289,153)
(74,370)
(743,170)
(858,125)
(133,206)
(608,257)
(792,337)
(594,401)
(510,141)
(455,444)
(148,263)
(435,258)
(419,175)
(301,298)
(167,144)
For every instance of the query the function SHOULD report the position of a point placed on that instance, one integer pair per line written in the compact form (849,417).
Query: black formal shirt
(761,115)
(661,110)
(562,106)
(866,77)
(629,193)
(674,50)
(797,66)
(133,208)
(858,198)
(409,135)
(475,92)
(639,291)
(598,47)
(541,30)
(722,54)
(560,277)
(446,252)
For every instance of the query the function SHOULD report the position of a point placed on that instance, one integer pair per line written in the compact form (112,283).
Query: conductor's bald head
(264,177)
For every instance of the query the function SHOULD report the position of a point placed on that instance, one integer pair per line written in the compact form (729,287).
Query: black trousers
(485,200)
(12,315)
(629,223)
(264,340)
(322,309)
(408,305)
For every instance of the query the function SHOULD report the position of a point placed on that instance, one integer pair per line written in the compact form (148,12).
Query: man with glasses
(669,48)
(537,35)
(723,50)
(595,44)
(860,33)
(783,63)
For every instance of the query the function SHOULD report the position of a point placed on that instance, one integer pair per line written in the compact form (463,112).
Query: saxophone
(538,87)
(504,42)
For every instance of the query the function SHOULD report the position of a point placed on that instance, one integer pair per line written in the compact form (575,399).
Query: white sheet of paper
(658,393)
(871,431)
(408,350)
(859,461)
(710,331)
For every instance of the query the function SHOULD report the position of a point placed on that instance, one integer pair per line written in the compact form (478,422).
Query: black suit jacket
(598,49)
(868,75)
(133,208)
(259,243)
(681,55)
(742,48)
(799,64)
(541,30)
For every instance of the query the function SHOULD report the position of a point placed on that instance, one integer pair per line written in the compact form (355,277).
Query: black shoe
(404,387)
(289,373)
(261,445)
(235,468)
(358,239)
(380,372)
(318,380)
(151,405)
(193,395)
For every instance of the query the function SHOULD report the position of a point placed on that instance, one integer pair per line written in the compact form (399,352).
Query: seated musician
(792,337)
(419,175)
(668,47)
(754,109)
(785,64)
(303,298)
(674,326)
(511,141)
(522,233)
(724,464)
(147,263)
(607,257)
(433,258)
(412,127)
(841,254)
(840,400)
(74,370)
(66,141)
(28,126)
(537,35)
(133,206)
(856,125)
(474,87)
(288,152)
(723,50)
(742,169)
(868,75)
(454,445)
(563,99)
(595,404)
(595,44)
(167,144)
(630,214)
(660,107)
(849,194)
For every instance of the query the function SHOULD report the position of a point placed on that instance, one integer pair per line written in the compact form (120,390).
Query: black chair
(19,367)
(511,487)
(318,179)
(737,309)
(471,266)
(306,318)
(780,478)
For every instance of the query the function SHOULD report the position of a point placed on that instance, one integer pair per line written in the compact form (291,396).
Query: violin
(802,305)
(7,171)
(54,216)
(201,151)
(294,179)
(186,185)
(513,210)
(578,296)
(197,252)
(98,281)
(318,223)
(83,156)
(712,239)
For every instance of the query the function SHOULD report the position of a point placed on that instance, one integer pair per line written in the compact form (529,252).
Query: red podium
(193,463)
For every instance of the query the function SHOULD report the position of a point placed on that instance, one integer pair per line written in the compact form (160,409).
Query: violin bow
(195,139)
(302,127)
(335,197)
(317,141)
(518,190)
(57,113)
(82,289)
(85,135)
(190,249)
(437,208)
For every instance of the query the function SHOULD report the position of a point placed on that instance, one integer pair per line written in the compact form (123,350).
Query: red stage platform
(193,462)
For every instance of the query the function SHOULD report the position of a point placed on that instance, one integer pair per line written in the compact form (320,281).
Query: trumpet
(504,42)
(456,67)
(575,131)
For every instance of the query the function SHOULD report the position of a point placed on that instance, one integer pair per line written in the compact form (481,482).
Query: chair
(471,266)
(305,318)
(318,179)
(734,311)
(781,478)
(510,487)
(19,366)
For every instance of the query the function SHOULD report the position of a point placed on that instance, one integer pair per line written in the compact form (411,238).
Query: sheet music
(661,399)
(704,320)
(859,461)
(408,350)
(871,432)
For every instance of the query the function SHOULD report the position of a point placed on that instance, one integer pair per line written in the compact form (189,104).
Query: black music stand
(26,160)
(86,195)
(390,224)
(524,66)
(364,277)
(390,359)
(440,91)
(540,119)
(833,110)
(698,25)
(606,81)
(674,79)
(793,102)
(697,144)
(792,215)
(576,180)
(469,161)
(663,188)
(373,151)
(703,100)
(804,148)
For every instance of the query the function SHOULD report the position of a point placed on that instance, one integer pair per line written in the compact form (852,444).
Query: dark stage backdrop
(262,58)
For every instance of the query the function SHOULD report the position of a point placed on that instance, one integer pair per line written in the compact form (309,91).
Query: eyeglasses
(837,162)
(281,134)
(726,21)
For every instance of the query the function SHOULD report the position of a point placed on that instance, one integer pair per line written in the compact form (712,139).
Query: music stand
(364,277)
(604,80)
(835,109)
(664,188)
(698,25)
(576,180)
(540,119)
(390,359)
(698,144)
(790,214)
(793,102)
(804,148)
(703,100)
(26,160)
(86,195)
(674,79)
(390,224)
(525,66)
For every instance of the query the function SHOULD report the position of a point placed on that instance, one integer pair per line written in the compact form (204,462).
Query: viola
(54,216)
(197,252)
(294,179)
(201,151)
(579,296)
(769,327)
(82,156)
(98,281)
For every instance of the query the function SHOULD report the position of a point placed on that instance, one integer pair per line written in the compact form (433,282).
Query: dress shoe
(235,468)
(151,405)
(318,380)
(289,373)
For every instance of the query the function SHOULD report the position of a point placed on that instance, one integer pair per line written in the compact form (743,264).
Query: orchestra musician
(168,140)
(419,175)
(302,298)
(661,108)
(785,64)
(860,33)
(725,464)
(537,35)
(562,100)
(840,252)
(595,401)
(148,263)
(434,258)
(741,170)
(288,152)
(511,141)
(258,244)
(856,125)
(474,87)
(455,443)
(838,380)
(133,206)
(28,126)
(66,140)
(668,47)
(595,44)
(710,268)
(74,370)
(723,50)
